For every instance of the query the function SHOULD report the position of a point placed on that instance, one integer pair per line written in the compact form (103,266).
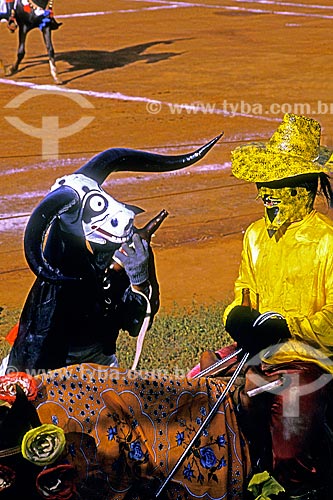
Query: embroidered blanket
(124,426)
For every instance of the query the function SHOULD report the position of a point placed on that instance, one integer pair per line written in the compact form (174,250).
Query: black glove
(240,321)
(251,336)
(271,331)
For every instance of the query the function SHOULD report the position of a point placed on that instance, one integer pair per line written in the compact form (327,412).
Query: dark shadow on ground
(94,61)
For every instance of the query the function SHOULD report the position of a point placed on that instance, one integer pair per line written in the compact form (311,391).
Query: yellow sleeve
(316,328)
(246,277)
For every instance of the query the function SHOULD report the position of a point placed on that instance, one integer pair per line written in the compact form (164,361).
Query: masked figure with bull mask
(287,326)
(79,301)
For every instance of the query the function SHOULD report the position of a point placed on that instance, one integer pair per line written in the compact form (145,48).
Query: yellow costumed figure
(287,265)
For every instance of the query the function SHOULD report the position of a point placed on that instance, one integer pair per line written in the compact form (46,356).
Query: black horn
(131,160)
(54,204)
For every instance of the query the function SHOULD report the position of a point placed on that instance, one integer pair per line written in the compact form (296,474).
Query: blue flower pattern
(112,432)
(221,441)
(203,458)
(188,472)
(179,438)
(136,452)
(207,457)
(210,453)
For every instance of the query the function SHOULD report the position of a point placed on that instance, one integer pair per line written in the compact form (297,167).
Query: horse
(30,15)
(115,434)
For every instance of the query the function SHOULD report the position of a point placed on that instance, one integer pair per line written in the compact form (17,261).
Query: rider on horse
(35,5)
(287,265)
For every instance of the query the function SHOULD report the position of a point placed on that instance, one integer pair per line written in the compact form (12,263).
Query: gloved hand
(134,259)
(270,331)
(240,321)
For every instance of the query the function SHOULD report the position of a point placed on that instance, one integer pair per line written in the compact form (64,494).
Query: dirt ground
(165,77)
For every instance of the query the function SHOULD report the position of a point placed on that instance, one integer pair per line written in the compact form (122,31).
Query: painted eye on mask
(95,205)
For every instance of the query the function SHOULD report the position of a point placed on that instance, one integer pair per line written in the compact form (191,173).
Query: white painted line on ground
(155,107)
(286,4)
(246,9)
(122,11)
(165,4)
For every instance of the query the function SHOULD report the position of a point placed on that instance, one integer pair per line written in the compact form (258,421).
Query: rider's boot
(11,23)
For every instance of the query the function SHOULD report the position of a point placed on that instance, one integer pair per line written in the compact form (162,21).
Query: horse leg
(50,50)
(13,68)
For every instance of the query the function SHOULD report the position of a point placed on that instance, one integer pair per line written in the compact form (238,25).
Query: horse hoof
(9,70)
(58,82)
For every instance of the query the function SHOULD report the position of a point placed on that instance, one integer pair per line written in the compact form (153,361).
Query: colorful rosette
(7,477)
(57,483)
(44,444)
(8,386)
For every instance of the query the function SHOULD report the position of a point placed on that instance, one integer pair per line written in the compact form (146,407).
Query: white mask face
(101,217)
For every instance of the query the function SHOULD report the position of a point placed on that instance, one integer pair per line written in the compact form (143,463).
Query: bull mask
(98,215)
(86,210)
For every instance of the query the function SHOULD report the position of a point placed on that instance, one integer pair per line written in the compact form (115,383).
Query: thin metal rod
(205,424)
(214,368)
(267,387)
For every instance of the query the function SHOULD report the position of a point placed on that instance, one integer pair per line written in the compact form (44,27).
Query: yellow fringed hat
(294,149)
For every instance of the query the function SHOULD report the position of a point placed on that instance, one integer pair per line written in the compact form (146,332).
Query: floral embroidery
(135,452)
(204,461)
(188,472)
(179,438)
(122,432)
(55,420)
(207,457)
(142,427)
(112,432)
(221,440)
